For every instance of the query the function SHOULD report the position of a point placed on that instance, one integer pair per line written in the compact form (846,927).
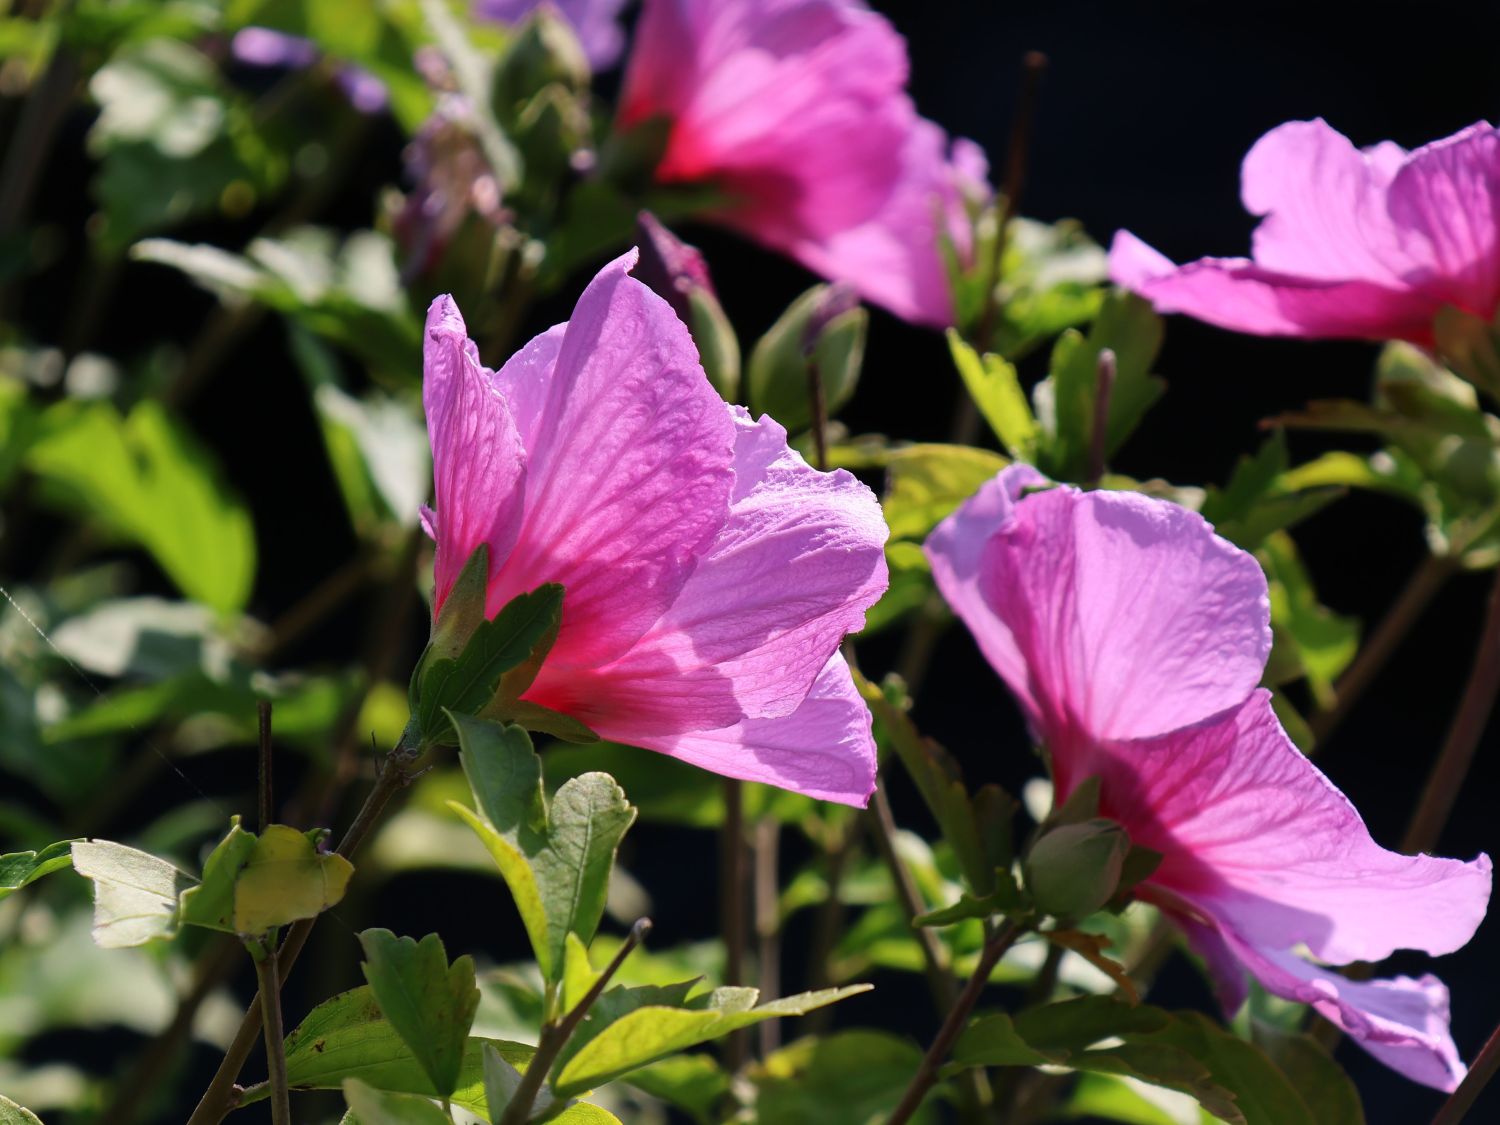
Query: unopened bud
(1074,869)
(678,273)
(543,51)
(822,331)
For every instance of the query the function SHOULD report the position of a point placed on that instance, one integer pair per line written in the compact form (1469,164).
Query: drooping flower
(796,111)
(709,573)
(1354,243)
(1134,638)
(595,22)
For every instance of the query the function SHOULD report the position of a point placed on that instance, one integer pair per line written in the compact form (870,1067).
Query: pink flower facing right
(709,573)
(796,110)
(1355,243)
(1134,638)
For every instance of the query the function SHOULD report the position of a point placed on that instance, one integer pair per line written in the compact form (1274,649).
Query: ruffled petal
(1259,839)
(629,468)
(823,749)
(1402,1021)
(791,574)
(478,463)
(1240,295)
(1132,617)
(956,548)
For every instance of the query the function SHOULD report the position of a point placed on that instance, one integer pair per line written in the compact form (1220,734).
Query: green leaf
(13,1114)
(1330,1095)
(148,479)
(211,902)
(17,869)
(1257,500)
(651,1032)
(467,684)
(1310,639)
(430,1004)
(1127,325)
(556,862)
(347,1036)
(501,1080)
(1131,1102)
(578,975)
(695,1084)
(848,1078)
(924,483)
(996,389)
(376,1107)
(286,879)
(135,894)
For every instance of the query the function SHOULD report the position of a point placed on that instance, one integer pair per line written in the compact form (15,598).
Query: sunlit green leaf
(377,1107)
(286,879)
(135,894)
(849,1078)
(996,390)
(924,483)
(17,869)
(13,1114)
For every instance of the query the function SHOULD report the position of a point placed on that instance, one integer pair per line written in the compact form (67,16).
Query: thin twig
(1452,766)
(315,606)
(1104,385)
(1429,577)
(935,961)
(221,1094)
(267,803)
(1462,1099)
(732,905)
(958,1016)
(555,1037)
(270,1008)
(768,925)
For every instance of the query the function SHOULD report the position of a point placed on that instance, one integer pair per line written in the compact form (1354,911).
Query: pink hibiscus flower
(709,573)
(796,110)
(1134,638)
(1363,243)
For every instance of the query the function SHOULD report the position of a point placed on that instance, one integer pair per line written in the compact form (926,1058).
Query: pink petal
(478,464)
(1401,1021)
(1132,617)
(823,749)
(789,576)
(1237,294)
(956,548)
(1259,839)
(629,468)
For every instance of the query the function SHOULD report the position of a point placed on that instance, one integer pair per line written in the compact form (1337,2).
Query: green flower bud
(544,51)
(824,331)
(1074,869)
(677,272)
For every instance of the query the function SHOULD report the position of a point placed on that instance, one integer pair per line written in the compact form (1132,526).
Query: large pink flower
(1364,243)
(1134,638)
(709,573)
(796,111)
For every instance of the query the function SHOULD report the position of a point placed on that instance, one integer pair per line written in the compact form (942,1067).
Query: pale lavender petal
(791,574)
(1132,616)
(956,548)
(365,92)
(260,46)
(823,749)
(1401,1021)
(629,471)
(478,464)
(1259,839)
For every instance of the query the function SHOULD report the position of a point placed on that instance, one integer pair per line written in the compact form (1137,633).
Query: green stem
(555,1036)
(270,1006)
(732,905)
(958,1016)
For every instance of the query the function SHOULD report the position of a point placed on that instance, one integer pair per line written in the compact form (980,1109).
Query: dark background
(1145,113)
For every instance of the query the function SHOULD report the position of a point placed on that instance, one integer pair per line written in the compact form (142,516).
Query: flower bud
(544,51)
(822,331)
(678,273)
(1074,869)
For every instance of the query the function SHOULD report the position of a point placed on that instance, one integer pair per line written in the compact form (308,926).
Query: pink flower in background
(710,574)
(1364,243)
(796,110)
(1134,639)
(595,22)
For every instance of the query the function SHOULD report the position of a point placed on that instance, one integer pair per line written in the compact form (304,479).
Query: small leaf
(1331,1096)
(926,482)
(848,1078)
(17,869)
(578,975)
(286,879)
(376,1107)
(693,1083)
(996,390)
(429,1003)
(13,1114)
(211,902)
(649,1033)
(1091,948)
(135,894)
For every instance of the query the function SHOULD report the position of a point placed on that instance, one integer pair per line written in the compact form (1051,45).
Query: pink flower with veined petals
(796,110)
(1355,243)
(1134,638)
(709,574)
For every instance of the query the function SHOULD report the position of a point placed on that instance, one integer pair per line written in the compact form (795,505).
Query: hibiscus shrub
(677,613)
